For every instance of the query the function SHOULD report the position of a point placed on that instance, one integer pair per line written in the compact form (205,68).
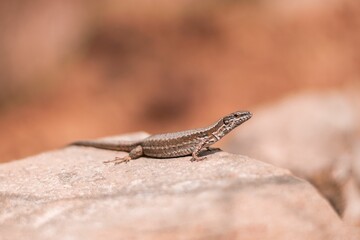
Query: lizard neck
(218,130)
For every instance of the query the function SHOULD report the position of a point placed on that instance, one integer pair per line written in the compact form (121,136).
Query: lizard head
(235,119)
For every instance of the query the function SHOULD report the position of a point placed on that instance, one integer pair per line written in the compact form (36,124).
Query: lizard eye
(236,115)
(226,121)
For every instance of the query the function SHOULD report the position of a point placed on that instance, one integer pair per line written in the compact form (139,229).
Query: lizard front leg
(133,154)
(195,154)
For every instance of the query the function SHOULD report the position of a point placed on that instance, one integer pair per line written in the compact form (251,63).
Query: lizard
(177,144)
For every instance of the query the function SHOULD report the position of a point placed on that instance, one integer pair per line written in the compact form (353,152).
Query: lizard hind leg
(133,154)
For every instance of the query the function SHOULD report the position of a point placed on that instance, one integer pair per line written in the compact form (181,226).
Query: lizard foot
(119,160)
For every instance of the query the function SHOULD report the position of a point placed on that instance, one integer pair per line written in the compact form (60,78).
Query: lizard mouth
(245,116)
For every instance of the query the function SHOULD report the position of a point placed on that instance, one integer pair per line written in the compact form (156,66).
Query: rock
(70,194)
(352,191)
(311,134)
(352,199)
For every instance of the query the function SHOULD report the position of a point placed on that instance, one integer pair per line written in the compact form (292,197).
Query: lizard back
(176,144)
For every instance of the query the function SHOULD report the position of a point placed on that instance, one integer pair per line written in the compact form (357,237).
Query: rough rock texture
(70,194)
(316,136)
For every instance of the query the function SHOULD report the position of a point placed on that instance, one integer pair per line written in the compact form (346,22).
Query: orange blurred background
(74,70)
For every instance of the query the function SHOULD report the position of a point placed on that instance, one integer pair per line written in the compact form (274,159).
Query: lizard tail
(125,146)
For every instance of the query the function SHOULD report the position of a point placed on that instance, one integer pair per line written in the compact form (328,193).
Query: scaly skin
(176,144)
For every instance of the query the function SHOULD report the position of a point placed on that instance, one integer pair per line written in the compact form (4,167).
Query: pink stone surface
(70,194)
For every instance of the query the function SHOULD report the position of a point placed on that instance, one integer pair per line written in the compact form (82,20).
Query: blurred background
(73,70)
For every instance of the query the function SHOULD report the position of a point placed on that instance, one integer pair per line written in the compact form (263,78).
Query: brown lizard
(176,144)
